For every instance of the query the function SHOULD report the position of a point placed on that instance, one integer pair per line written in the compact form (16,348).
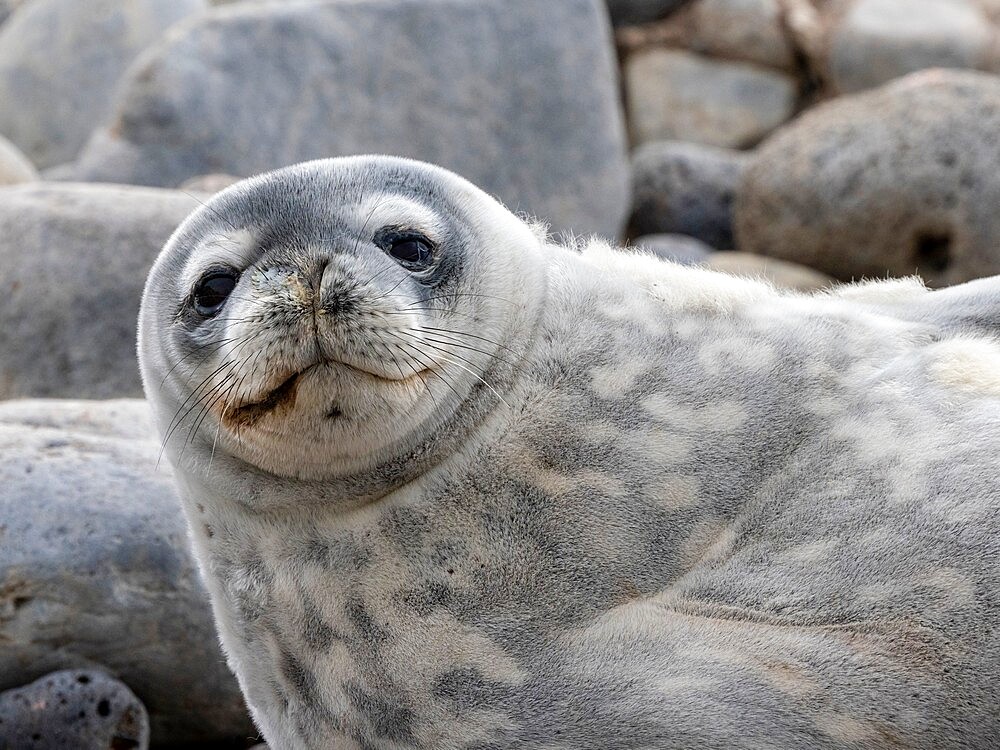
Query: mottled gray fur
(667,509)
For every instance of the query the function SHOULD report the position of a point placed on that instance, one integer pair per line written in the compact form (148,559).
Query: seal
(454,485)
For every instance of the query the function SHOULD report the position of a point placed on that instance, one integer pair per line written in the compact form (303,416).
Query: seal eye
(212,290)
(412,252)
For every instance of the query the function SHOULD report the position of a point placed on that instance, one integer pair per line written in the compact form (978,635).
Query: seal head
(314,328)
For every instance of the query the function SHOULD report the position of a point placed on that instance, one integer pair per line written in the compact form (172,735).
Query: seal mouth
(284,394)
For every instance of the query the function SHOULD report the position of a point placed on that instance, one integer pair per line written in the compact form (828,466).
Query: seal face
(454,486)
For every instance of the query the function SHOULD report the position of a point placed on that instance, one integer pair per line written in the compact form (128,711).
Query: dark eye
(412,252)
(212,290)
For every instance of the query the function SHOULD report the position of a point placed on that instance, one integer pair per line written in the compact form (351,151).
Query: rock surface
(250,87)
(14,166)
(7,7)
(678,95)
(902,179)
(878,40)
(95,570)
(678,248)
(79,709)
(75,259)
(60,61)
(685,188)
(641,11)
(779,272)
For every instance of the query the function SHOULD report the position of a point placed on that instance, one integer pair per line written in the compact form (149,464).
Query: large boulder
(95,570)
(901,179)
(518,96)
(674,94)
(685,188)
(74,708)
(60,61)
(874,41)
(74,260)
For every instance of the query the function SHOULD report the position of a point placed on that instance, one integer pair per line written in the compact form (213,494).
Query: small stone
(96,571)
(879,40)
(677,248)
(75,259)
(685,188)
(641,11)
(249,87)
(209,183)
(83,709)
(678,95)
(60,61)
(14,166)
(779,272)
(899,180)
(745,30)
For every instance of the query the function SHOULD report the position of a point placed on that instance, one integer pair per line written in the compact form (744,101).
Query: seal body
(595,500)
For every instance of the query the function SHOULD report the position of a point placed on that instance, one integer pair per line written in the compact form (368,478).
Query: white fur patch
(970,365)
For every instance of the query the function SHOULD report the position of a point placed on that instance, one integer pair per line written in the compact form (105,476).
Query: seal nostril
(334,412)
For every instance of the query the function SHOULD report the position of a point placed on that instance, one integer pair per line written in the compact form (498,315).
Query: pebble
(73,709)
(678,248)
(678,95)
(685,188)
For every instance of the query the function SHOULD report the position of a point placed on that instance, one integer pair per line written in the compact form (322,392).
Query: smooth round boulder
(899,180)
(60,62)
(95,570)
(83,709)
(518,96)
(74,261)
(685,188)
(875,41)
(674,94)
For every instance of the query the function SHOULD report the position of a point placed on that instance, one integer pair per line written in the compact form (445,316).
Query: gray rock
(687,189)
(901,179)
(7,7)
(781,273)
(747,30)
(74,261)
(878,40)
(14,166)
(678,95)
(95,570)
(678,248)
(641,11)
(79,709)
(60,61)
(518,96)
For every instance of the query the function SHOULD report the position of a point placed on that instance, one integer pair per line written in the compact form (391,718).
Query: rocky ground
(807,141)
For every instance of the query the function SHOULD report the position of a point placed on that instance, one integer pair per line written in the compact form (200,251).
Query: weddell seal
(452,485)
